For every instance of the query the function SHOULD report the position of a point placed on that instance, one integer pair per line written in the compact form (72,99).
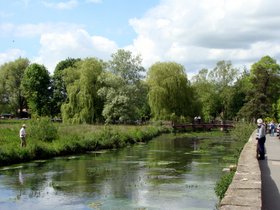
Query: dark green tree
(36,86)
(265,80)
(59,88)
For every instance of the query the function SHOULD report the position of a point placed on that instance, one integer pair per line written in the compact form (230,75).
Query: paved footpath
(270,174)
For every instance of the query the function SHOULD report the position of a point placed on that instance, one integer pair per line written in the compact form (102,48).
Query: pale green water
(166,173)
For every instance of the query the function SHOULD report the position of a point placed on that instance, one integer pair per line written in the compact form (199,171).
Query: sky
(194,33)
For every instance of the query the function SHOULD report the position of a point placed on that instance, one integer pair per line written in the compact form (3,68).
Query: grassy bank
(70,139)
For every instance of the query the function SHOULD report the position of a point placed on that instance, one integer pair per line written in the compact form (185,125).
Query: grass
(71,139)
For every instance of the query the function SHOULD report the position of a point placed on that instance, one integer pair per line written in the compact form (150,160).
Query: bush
(223,184)
(43,129)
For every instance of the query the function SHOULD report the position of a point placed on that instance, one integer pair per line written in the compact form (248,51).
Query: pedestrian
(272,128)
(261,139)
(22,135)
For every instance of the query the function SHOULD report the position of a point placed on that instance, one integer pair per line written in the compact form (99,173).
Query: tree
(83,104)
(169,91)
(206,92)
(36,86)
(223,77)
(10,81)
(59,88)
(123,92)
(265,80)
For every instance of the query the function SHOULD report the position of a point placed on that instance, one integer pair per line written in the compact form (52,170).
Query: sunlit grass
(71,139)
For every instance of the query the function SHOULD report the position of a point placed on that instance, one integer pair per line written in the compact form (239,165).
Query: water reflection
(166,173)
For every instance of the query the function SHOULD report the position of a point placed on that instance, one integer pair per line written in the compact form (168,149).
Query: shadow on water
(270,192)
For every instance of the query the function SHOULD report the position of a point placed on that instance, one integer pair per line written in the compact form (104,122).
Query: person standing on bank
(22,135)
(261,139)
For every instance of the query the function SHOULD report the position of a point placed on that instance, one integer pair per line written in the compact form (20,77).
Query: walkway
(270,174)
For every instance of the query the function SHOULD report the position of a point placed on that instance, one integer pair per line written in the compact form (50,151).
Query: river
(169,172)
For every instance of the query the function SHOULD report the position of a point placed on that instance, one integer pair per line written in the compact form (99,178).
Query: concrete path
(270,174)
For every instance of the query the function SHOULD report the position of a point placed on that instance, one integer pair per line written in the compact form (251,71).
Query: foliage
(36,88)
(70,139)
(223,183)
(207,95)
(123,92)
(241,133)
(58,84)
(82,83)
(11,97)
(264,76)
(169,91)
(215,90)
(42,129)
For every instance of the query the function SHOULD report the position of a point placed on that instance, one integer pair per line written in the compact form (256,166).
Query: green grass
(71,139)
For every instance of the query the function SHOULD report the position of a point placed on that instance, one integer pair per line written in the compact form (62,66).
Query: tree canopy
(120,91)
(169,91)
(36,88)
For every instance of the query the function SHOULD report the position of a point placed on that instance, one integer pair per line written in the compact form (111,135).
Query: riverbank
(71,139)
(244,191)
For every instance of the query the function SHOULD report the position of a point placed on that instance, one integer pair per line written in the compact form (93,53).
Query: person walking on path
(22,135)
(261,139)
(272,128)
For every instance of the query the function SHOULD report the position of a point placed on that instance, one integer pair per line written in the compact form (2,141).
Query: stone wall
(244,193)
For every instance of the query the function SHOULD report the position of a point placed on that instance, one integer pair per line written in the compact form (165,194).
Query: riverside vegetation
(46,139)
(241,133)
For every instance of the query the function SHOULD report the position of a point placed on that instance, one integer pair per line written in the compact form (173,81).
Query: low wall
(244,193)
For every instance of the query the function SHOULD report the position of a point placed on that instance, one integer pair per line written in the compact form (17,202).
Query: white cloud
(75,44)
(197,34)
(11,55)
(62,5)
(32,30)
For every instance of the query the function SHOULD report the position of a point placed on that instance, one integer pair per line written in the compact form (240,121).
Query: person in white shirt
(261,139)
(22,135)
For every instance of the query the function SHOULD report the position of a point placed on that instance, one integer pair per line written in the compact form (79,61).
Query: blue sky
(196,34)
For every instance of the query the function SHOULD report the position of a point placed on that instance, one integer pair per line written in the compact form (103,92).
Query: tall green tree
(36,86)
(208,96)
(223,77)
(83,104)
(123,92)
(11,95)
(264,76)
(170,93)
(58,84)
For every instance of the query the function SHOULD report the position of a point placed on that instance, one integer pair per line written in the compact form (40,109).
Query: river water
(169,172)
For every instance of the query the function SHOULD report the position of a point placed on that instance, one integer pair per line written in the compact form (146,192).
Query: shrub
(223,184)
(43,129)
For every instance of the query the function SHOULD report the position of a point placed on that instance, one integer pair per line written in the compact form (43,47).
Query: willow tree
(82,83)
(169,91)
